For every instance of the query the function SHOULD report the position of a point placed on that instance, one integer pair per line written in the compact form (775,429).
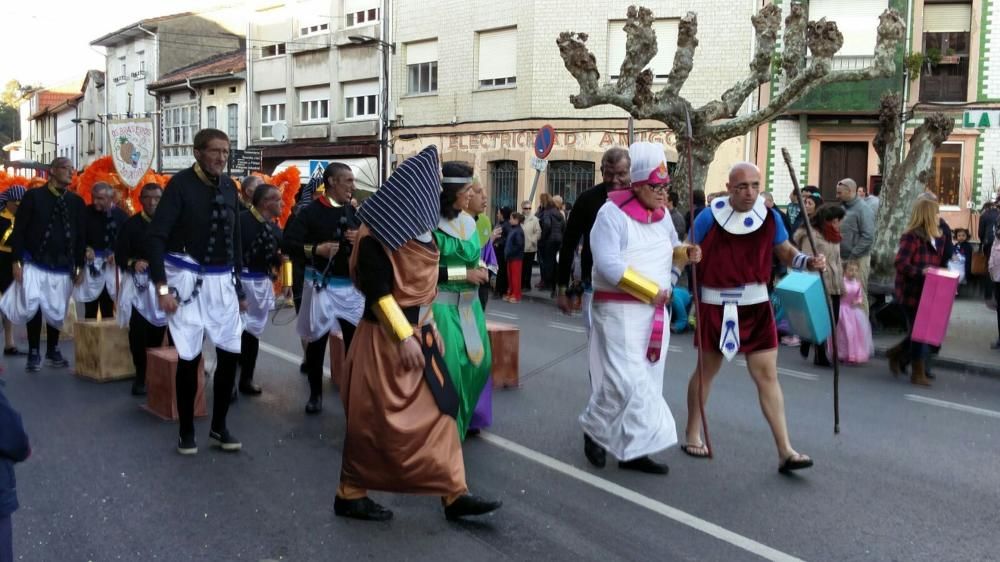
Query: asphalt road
(907,479)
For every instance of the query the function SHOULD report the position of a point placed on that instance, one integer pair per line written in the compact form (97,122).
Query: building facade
(315,92)
(480,87)
(91,132)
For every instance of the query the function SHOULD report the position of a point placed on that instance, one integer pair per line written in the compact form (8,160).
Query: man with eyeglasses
(48,251)
(532,233)
(195,257)
(102,221)
(137,306)
(637,255)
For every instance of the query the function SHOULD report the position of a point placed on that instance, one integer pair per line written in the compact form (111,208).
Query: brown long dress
(397,438)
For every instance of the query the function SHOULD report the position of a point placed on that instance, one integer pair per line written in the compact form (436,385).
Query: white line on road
(787,372)
(674,348)
(281,353)
(506,315)
(626,494)
(952,405)
(568,327)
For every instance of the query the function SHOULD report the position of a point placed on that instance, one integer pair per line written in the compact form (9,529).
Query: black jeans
(916,350)
(249,348)
(187,390)
(529,262)
(996,289)
(141,336)
(35,334)
(102,302)
(6,539)
(315,353)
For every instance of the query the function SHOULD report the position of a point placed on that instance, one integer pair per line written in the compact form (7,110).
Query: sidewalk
(966,348)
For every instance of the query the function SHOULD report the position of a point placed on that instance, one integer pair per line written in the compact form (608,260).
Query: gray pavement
(911,476)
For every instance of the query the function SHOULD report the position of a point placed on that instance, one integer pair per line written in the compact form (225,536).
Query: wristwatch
(163,290)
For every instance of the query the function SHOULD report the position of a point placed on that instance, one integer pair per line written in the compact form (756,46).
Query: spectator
(862,192)
(680,225)
(873,198)
(514,256)
(543,205)
(858,231)
(792,210)
(854,331)
(961,259)
(499,244)
(987,227)
(14,448)
(826,233)
(532,232)
(553,224)
(811,201)
(994,271)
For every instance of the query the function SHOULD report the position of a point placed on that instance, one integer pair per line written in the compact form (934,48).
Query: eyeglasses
(217,151)
(659,188)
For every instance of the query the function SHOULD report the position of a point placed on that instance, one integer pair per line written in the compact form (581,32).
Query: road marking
(674,348)
(636,498)
(506,315)
(282,354)
(787,372)
(568,327)
(952,405)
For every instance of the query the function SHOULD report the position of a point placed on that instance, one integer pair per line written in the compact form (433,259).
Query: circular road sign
(544,141)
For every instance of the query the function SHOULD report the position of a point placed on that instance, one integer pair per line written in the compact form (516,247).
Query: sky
(48,41)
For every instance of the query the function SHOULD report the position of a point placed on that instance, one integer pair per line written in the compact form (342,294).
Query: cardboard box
(161,384)
(102,352)
(801,295)
(505,342)
(934,311)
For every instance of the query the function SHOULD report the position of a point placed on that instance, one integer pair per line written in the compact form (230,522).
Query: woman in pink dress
(854,333)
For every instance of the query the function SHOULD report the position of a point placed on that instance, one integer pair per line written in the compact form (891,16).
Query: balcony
(849,97)
(309,43)
(120,79)
(139,75)
(310,131)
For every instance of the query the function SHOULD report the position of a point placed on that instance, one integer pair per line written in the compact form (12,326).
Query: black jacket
(131,244)
(14,448)
(315,224)
(261,243)
(101,228)
(581,221)
(32,221)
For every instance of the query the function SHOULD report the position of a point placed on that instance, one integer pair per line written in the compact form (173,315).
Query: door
(839,160)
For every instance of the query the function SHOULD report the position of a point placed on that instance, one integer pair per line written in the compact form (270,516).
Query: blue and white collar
(736,222)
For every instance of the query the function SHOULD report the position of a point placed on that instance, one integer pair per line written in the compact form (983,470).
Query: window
(856,20)
(211,117)
(314,104)
(568,178)
(272,50)
(946,174)
(315,28)
(945,76)
(180,126)
(421,67)
(666,44)
(272,110)
(359,12)
(91,139)
(361,99)
(232,89)
(121,62)
(503,182)
(233,122)
(211,91)
(497,58)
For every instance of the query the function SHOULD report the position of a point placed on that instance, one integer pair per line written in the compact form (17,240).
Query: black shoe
(12,351)
(472,433)
(138,389)
(821,360)
(225,440)
(363,508)
(303,369)
(250,389)
(644,464)
(804,349)
(55,359)
(34,363)
(595,453)
(470,505)
(314,405)
(186,445)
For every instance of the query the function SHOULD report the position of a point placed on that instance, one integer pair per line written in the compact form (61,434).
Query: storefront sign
(133,145)
(981,119)
(579,139)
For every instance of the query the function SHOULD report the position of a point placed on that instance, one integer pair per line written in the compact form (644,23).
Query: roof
(118,35)
(214,68)
(96,75)
(48,99)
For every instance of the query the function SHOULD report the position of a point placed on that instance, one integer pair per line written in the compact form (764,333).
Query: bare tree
(717,121)
(902,182)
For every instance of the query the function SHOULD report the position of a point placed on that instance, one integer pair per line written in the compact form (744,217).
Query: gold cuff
(457,273)
(388,312)
(309,249)
(681,255)
(638,286)
(286,273)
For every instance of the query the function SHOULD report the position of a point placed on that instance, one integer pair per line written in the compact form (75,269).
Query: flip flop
(792,463)
(696,451)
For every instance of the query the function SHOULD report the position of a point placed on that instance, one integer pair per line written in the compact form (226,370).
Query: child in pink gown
(854,333)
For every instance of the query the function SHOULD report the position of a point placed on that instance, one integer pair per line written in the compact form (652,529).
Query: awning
(365,170)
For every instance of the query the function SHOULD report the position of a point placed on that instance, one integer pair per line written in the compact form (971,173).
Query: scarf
(831,233)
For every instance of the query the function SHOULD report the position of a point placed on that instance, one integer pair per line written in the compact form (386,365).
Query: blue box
(802,297)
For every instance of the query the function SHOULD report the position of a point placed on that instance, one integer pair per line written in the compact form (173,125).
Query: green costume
(484,228)
(467,349)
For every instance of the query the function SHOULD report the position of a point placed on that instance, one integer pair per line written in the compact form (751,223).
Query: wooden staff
(826,293)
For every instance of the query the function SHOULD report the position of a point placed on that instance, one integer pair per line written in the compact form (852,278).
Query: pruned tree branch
(640,45)
(794,49)
(687,42)
(887,139)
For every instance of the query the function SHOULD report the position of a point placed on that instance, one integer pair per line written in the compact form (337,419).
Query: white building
(91,133)
(67,133)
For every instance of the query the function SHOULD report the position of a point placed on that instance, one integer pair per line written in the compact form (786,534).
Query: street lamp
(386,49)
(55,150)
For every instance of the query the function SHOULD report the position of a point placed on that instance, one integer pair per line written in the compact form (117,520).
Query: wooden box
(506,347)
(161,384)
(102,351)
(338,358)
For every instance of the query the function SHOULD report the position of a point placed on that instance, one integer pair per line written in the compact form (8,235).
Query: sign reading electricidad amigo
(981,119)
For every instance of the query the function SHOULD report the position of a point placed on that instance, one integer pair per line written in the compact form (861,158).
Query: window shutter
(498,54)
(424,51)
(666,46)
(314,93)
(359,89)
(273,97)
(947,18)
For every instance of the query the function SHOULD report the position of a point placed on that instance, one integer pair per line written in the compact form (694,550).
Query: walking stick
(826,293)
(694,293)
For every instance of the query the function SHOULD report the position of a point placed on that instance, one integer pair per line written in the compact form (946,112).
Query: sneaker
(34,362)
(186,445)
(791,341)
(314,405)
(225,440)
(55,359)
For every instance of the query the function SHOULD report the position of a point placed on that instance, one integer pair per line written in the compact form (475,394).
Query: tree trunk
(900,191)
(702,156)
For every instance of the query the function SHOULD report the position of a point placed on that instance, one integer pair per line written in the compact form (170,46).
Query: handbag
(979,264)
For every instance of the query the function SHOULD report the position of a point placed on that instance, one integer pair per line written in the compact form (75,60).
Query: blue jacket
(14,448)
(514,247)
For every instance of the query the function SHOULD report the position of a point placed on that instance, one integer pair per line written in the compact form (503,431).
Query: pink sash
(659,316)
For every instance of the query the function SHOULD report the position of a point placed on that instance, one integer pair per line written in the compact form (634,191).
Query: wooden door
(839,160)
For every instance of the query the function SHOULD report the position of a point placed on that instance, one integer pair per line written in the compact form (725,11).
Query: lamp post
(55,150)
(386,49)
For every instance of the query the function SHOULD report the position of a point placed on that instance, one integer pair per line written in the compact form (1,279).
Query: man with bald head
(858,232)
(48,251)
(739,235)
(247,187)
(102,221)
